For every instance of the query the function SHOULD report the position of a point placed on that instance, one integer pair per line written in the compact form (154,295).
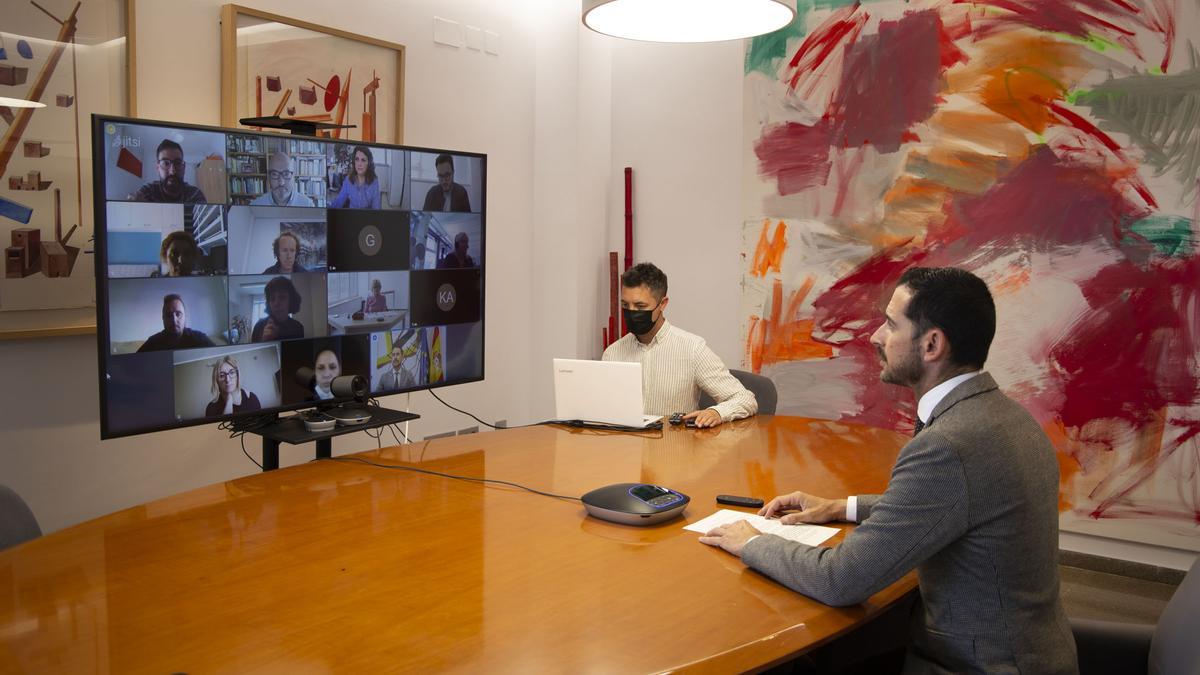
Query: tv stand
(291,430)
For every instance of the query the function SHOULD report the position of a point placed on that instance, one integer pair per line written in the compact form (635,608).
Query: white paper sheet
(812,535)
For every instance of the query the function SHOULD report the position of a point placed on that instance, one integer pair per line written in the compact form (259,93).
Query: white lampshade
(687,20)
(20,103)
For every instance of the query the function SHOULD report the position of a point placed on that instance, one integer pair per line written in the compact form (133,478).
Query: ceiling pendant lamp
(687,20)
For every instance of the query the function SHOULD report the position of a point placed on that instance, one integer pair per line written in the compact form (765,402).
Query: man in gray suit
(972,503)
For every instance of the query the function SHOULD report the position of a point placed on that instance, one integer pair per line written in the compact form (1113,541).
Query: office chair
(17,523)
(762,387)
(1164,649)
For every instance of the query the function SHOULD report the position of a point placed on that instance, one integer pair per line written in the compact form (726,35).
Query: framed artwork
(273,65)
(74,58)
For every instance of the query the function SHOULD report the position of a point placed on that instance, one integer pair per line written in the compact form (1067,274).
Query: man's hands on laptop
(709,417)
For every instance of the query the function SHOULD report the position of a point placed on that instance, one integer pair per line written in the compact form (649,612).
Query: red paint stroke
(842,27)
(879,97)
(1163,22)
(1134,350)
(1079,18)
(795,154)
(1116,505)
(1044,202)
(846,170)
(1079,122)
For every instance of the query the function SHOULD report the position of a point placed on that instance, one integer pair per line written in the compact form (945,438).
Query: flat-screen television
(228,261)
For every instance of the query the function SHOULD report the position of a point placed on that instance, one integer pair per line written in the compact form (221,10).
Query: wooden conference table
(342,567)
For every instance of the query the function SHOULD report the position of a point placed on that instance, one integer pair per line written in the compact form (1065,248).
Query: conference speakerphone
(635,503)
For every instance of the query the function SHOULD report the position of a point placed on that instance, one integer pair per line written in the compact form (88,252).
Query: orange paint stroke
(784,335)
(1012,283)
(1068,466)
(768,254)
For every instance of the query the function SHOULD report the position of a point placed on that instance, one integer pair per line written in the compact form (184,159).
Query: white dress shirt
(676,367)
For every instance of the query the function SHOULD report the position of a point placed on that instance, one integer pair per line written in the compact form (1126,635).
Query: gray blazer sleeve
(923,510)
(865,504)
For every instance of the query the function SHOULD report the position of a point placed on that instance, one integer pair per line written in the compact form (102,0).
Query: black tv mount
(295,126)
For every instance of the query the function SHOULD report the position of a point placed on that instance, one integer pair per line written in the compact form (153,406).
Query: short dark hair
(646,274)
(168,299)
(168,144)
(444,159)
(177,236)
(958,303)
(283,285)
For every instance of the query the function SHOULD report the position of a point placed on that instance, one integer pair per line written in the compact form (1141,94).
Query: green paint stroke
(765,51)
(1170,235)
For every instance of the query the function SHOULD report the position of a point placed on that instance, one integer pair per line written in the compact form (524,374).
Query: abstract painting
(273,65)
(73,58)
(1050,146)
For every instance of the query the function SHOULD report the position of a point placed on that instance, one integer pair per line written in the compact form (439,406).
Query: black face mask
(639,321)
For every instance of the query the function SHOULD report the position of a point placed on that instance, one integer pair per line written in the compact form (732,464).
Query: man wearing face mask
(676,365)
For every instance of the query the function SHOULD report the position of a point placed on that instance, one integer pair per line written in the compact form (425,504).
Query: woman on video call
(226,385)
(326,367)
(360,189)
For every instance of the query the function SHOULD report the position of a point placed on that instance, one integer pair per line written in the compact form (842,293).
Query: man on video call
(676,365)
(175,333)
(281,180)
(397,376)
(458,257)
(170,186)
(972,502)
(446,195)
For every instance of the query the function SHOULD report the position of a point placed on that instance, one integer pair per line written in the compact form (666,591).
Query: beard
(905,372)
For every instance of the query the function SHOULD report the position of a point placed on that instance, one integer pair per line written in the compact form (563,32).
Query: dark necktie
(918,427)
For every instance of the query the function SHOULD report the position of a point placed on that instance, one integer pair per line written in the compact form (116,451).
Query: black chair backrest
(17,524)
(762,388)
(1174,647)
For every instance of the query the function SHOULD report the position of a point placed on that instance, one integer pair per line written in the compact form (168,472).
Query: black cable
(445,475)
(439,398)
(242,438)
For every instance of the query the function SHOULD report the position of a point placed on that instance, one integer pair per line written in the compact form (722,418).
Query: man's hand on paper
(731,537)
(805,508)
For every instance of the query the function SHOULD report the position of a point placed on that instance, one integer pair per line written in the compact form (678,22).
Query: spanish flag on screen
(436,374)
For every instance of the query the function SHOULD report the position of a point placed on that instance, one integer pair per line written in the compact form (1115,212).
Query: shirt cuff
(750,540)
(852,509)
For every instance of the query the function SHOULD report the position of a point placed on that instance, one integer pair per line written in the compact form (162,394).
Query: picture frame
(272,64)
(82,62)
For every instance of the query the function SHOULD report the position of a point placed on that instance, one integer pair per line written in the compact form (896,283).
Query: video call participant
(398,376)
(170,186)
(327,367)
(360,188)
(280,178)
(175,333)
(458,257)
(282,301)
(972,502)
(286,249)
(676,365)
(376,302)
(178,255)
(229,396)
(446,195)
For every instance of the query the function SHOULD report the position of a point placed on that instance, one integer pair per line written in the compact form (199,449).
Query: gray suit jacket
(972,504)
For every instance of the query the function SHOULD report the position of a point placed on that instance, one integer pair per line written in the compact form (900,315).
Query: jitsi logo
(446,297)
(126,142)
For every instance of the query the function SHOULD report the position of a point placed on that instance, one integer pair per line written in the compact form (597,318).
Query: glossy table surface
(337,566)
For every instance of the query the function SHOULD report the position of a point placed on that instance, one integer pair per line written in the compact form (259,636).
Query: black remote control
(676,419)
(734,500)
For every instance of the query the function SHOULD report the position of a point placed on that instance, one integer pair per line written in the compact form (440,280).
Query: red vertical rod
(628,228)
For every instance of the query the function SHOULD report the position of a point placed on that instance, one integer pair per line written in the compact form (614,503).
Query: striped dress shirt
(676,367)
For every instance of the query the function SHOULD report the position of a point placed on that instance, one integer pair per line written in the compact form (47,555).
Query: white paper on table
(812,535)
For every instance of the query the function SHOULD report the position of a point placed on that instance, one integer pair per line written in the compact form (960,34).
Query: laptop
(600,393)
